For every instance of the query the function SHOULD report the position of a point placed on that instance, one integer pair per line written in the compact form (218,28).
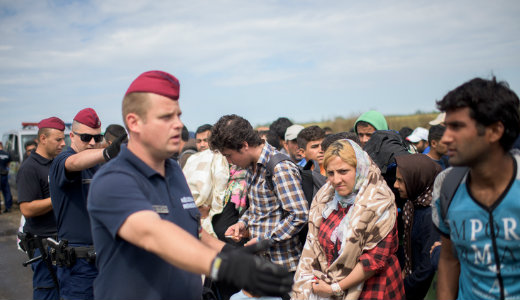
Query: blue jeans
(6,191)
(77,282)
(43,285)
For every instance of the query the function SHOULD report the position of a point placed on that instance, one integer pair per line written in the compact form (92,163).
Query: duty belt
(29,243)
(65,255)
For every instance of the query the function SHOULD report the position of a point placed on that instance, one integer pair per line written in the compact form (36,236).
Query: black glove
(255,274)
(114,148)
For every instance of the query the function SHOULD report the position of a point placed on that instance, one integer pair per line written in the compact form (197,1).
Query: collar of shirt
(140,165)
(39,159)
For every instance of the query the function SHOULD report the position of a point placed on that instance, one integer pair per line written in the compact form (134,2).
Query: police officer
(70,176)
(32,181)
(5,158)
(147,230)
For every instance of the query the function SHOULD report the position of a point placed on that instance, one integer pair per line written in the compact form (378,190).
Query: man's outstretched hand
(255,274)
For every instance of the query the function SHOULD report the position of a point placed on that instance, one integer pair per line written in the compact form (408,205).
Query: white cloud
(92,49)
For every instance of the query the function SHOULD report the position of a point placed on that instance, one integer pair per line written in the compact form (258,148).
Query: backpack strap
(449,187)
(271,163)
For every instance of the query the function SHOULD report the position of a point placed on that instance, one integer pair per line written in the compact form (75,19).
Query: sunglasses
(85,137)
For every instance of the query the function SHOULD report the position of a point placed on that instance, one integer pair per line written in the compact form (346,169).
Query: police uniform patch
(161,209)
(187,202)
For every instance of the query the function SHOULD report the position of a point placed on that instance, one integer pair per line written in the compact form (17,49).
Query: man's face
(400,185)
(438,147)
(465,144)
(239,158)
(294,150)
(54,143)
(161,132)
(364,133)
(421,145)
(75,136)
(29,149)
(201,140)
(313,151)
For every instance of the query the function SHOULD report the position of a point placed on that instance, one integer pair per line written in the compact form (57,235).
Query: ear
(495,131)
(42,139)
(434,144)
(245,146)
(134,122)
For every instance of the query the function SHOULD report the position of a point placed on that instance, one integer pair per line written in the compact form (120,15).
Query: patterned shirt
(328,231)
(387,283)
(279,214)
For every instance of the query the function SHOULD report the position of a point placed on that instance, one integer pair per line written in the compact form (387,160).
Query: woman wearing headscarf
(415,176)
(352,240)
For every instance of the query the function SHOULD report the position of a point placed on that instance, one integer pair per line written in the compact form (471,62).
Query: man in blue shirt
(480,254)
(32,181)
(5,158)
(145,224)
(70,175)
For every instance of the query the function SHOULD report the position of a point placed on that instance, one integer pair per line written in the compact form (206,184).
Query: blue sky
(305,60)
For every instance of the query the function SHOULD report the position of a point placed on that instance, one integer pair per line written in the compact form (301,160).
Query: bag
(449,186)
(312,181)
(383,146)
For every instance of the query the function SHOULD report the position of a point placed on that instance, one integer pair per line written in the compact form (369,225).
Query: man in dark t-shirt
(32,181)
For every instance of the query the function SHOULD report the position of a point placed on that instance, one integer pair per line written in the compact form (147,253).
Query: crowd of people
(145,211)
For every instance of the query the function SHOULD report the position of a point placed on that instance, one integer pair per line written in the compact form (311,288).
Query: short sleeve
(113,197)
(27,182)
(58,171)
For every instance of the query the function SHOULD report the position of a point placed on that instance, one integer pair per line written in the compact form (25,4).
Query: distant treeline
(394,122)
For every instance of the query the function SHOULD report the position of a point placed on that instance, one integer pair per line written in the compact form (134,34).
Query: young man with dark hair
(113,132)
(202,137)
(278,127)
(34,198)
(309,141)
(437,149)
(367,124)
(331,138)
(276,214)
(480,251)
(147,231)
(29,147)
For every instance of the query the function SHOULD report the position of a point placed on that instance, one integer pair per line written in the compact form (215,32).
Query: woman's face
(341,175)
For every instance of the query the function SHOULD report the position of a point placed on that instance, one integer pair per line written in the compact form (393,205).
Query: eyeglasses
(85,137)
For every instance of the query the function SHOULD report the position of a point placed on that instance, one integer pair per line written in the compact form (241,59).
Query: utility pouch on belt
(65,256)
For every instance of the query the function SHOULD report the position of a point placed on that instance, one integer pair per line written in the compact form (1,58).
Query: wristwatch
(336,289)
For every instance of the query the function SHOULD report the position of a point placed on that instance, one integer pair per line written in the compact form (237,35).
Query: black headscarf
(419,172)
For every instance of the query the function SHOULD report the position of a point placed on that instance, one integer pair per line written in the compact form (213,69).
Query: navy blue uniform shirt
(124,186)
(32,181)
(69,192)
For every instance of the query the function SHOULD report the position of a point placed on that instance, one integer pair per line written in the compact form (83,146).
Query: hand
(204,211)
(237,231)
(251,242)
(114,148)
(252,273)
(321,288)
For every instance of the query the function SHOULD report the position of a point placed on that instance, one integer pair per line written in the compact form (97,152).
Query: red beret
(52,122)
(156,82)
(88,116)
